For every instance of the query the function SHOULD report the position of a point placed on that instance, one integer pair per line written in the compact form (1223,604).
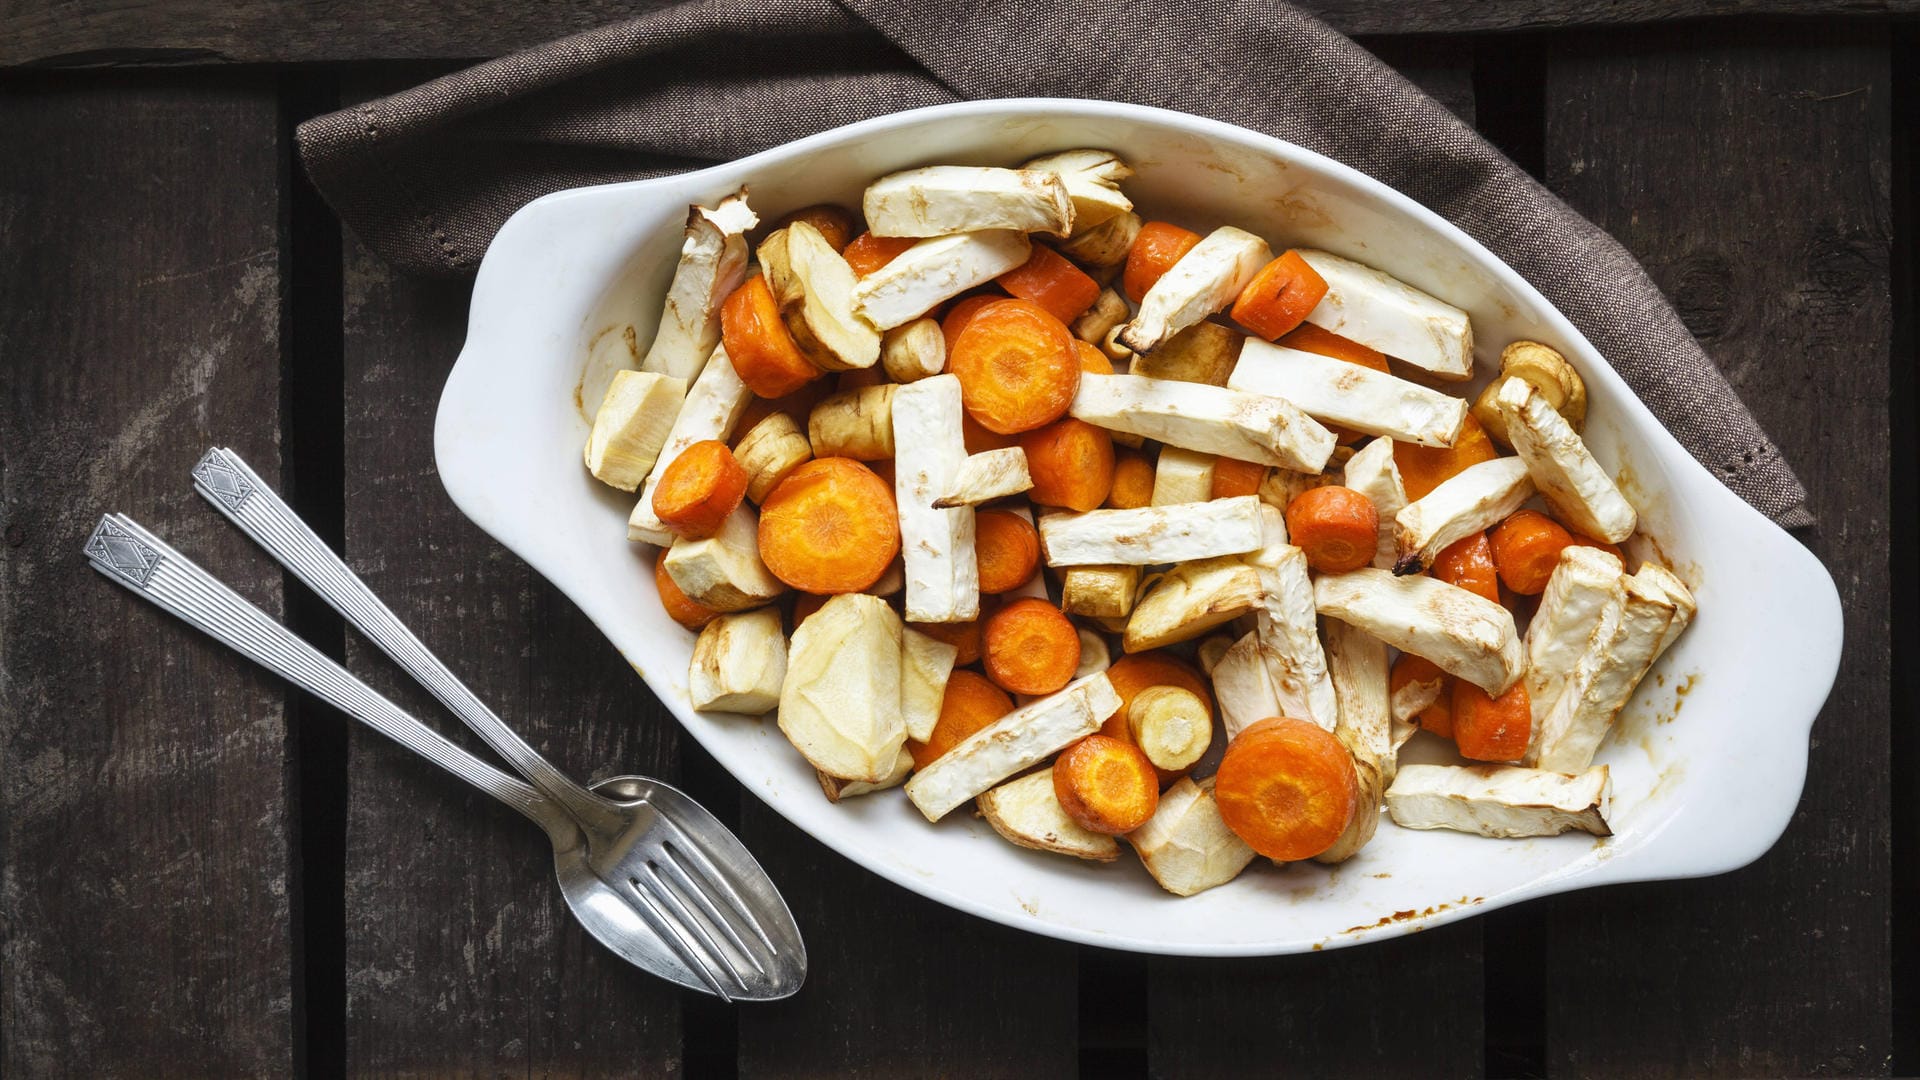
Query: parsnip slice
(926,663)
(1465,634)
(1182,476)
(934,270)
(713,406)
(840,702)
(1242,688)
(986,476)
(942,199)
(1663,582)
(1586,582)
(1370,781)
(1569,478)
(1289,630)
(1478,497)
(769,451)
(1205,280)
(943,578)
(1022,738)
(739,663)
(813,286)
(1152,534)
(1102,249)
(1501,800)
(1385,313)
(1373,473)
(855,423)
(713,262)
(1617,658)
(1205,352)
(914,351)
(1093,183)
(1026,812)
(1171,725)
(631,426)
(1344,393)
(1186,845)
(1209,419)
(1357,662)
(724,571)
(1191,599)
(1099,591)
(836,789)
(1094,654)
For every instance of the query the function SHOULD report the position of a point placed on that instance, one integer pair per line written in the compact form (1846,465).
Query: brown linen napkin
(427,176)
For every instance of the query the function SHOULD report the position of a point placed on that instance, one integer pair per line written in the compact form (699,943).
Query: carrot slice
(1155,249)
(1030,648)
(867,252)
(1491,728)
(1287,787)
(971,703)
(963,636)
(1337,527)
(1468,563)
(1007,547)
(1232,477)
(1309,338)
(1106,785)
(1017,366)
(1279,296)
(679,606)
(1132,481)
(1526,548)
(1092,360)
(830,527)
(962,313)
(757,342)
(1071,462)
(834,222)
(1438,717)
(979,440)
(1423,468)
(1048,279)
(698,489)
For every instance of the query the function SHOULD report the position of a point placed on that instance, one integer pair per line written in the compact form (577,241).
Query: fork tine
(688,921)
(679,877)
(715,881)
(669,932)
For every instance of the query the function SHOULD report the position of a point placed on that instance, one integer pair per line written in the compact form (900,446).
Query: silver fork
(674,892)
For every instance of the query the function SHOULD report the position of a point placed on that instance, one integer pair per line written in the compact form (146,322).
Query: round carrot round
(679,606)
(1287,787)
(1423,468)
(1232,477)
(1279,296)
(1017,366)
(1468,563)
(1437,717)
(830,527)
(1007,548)
(979,440)
(1071,462)
(1048,279)
(1526,548)
(1491,728)
(970,703)
(1029,647)
(963,636)
(698,489)
(762,351)
(1337,527)
(1155,249)
(1106,785)
(962,313)
(1132,481)
(867,252)
(834,223)
(1092,360)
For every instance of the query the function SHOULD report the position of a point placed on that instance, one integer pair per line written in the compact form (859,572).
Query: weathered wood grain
(1750,173)
(145,831)
(462,958)
(95,32)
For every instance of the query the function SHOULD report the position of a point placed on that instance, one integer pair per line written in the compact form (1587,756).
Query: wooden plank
(95,32)
(1750,172)
(145,829)
(461,955)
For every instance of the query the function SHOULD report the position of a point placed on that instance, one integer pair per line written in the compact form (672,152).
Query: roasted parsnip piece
(1093,183)
(713,262)
(836,789)
(1288,629)
(934,270)
(1211,651)
(769,451)
(1191,599)
(1023,738)
(943,578)
(1205,280)
(840,702)
(913,351)
(986,476)
(943,199)
(1205,352)
(1094,654)
(739,663)
(1465,634)
(1661,581)
(712,407)
(1105,592)
(1241,686)
(1568,477)
(632,425)
(1185,845)
(1501,800)
(1109,310)
(1384,313)
(1344,393)
(854,423)
(1209,419)
(1369,775)
(813,285)
(1549,373)
(1152,534)
(1585,584)
(1617,658)
(1372,473)
(724,571)
(1026,812)
(926,663)
(1478,497)
(1102,249)
(1171,725)
(1182,476)
(1357,662)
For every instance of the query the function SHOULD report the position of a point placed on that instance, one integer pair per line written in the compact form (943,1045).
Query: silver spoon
(674,892)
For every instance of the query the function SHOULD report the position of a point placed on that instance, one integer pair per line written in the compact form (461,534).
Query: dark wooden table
(207,874)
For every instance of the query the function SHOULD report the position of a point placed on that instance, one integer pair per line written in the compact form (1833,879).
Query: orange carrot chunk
(971,703)
(1423,468)
(1017,366)
(1157,247)
(679,606)
(1438,717)
(1468,563)
(1048,279)
(867,252)
(1279,296)
(963,636)
(1105,785)
(979,440)
(835,223)
(962,313)
(757,342)
(1309,338)
(1071,462)
(698,489)
(1526,548)
(1007,548)
(1092,360)
(1337,527)
(1491,728)
(1030,648)
(1232,477)
(1287,788)
(830,527)
(1132,481)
